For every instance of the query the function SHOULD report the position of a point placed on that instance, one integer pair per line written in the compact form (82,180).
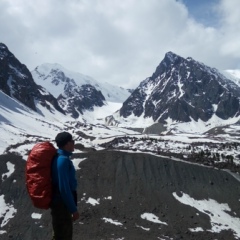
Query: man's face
(70,146)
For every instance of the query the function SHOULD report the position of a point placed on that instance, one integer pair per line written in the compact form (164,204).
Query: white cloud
(120,42)
(230,29)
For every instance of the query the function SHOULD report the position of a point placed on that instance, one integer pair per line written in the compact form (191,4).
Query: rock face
(74,98)
(182,90)
(17,82)
(117,189)
(156,128)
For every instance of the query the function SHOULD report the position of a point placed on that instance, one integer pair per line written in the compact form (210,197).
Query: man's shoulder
(62,159)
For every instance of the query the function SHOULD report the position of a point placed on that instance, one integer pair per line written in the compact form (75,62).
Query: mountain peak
(184,90)
(3,46)
(55,73)
(16,81)
(4,52)
(170,59)
(46,68)
(171,55)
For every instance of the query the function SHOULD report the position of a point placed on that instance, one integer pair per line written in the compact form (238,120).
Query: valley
(157,162)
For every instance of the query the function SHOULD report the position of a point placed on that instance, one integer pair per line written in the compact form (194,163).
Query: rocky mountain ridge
(17,82)
(183,90)
(80,92)
(124,193)
(54,87)
(179,91)
(74,99)
(85,97)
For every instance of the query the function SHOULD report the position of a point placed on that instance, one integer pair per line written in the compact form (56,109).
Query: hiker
(64,200)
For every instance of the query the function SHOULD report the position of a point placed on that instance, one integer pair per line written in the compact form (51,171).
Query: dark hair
(63,138)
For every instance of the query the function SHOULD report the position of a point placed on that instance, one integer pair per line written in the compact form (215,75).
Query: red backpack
(38,174)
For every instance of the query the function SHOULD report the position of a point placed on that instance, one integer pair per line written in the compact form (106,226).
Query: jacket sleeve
(64,183)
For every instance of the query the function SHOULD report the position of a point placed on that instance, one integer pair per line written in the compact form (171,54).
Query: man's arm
(64,187)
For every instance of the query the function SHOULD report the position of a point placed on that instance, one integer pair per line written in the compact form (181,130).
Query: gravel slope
(127,185)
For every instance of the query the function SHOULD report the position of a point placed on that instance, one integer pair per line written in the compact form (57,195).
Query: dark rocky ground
(138,183)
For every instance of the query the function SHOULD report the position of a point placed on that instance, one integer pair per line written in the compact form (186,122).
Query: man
(64,201)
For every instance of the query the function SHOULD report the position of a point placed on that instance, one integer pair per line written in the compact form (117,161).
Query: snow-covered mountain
(131,185)
(55,88)
(183,91)
(19,123)
(234,75)
(28,111)
(76,92)
(55,78)
(17,82)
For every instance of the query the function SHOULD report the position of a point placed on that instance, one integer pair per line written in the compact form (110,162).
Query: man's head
(65,141)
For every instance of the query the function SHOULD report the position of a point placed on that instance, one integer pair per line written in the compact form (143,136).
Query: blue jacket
(63,179)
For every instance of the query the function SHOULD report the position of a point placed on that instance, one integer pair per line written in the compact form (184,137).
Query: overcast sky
(121,41)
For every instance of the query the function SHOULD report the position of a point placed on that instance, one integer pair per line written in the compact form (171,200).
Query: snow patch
(217,212)
(11,168)
(7,211)
(92,201)
(152,218)
(146,229)
(36,215)
(76,162)
(197,229)
(109,220)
